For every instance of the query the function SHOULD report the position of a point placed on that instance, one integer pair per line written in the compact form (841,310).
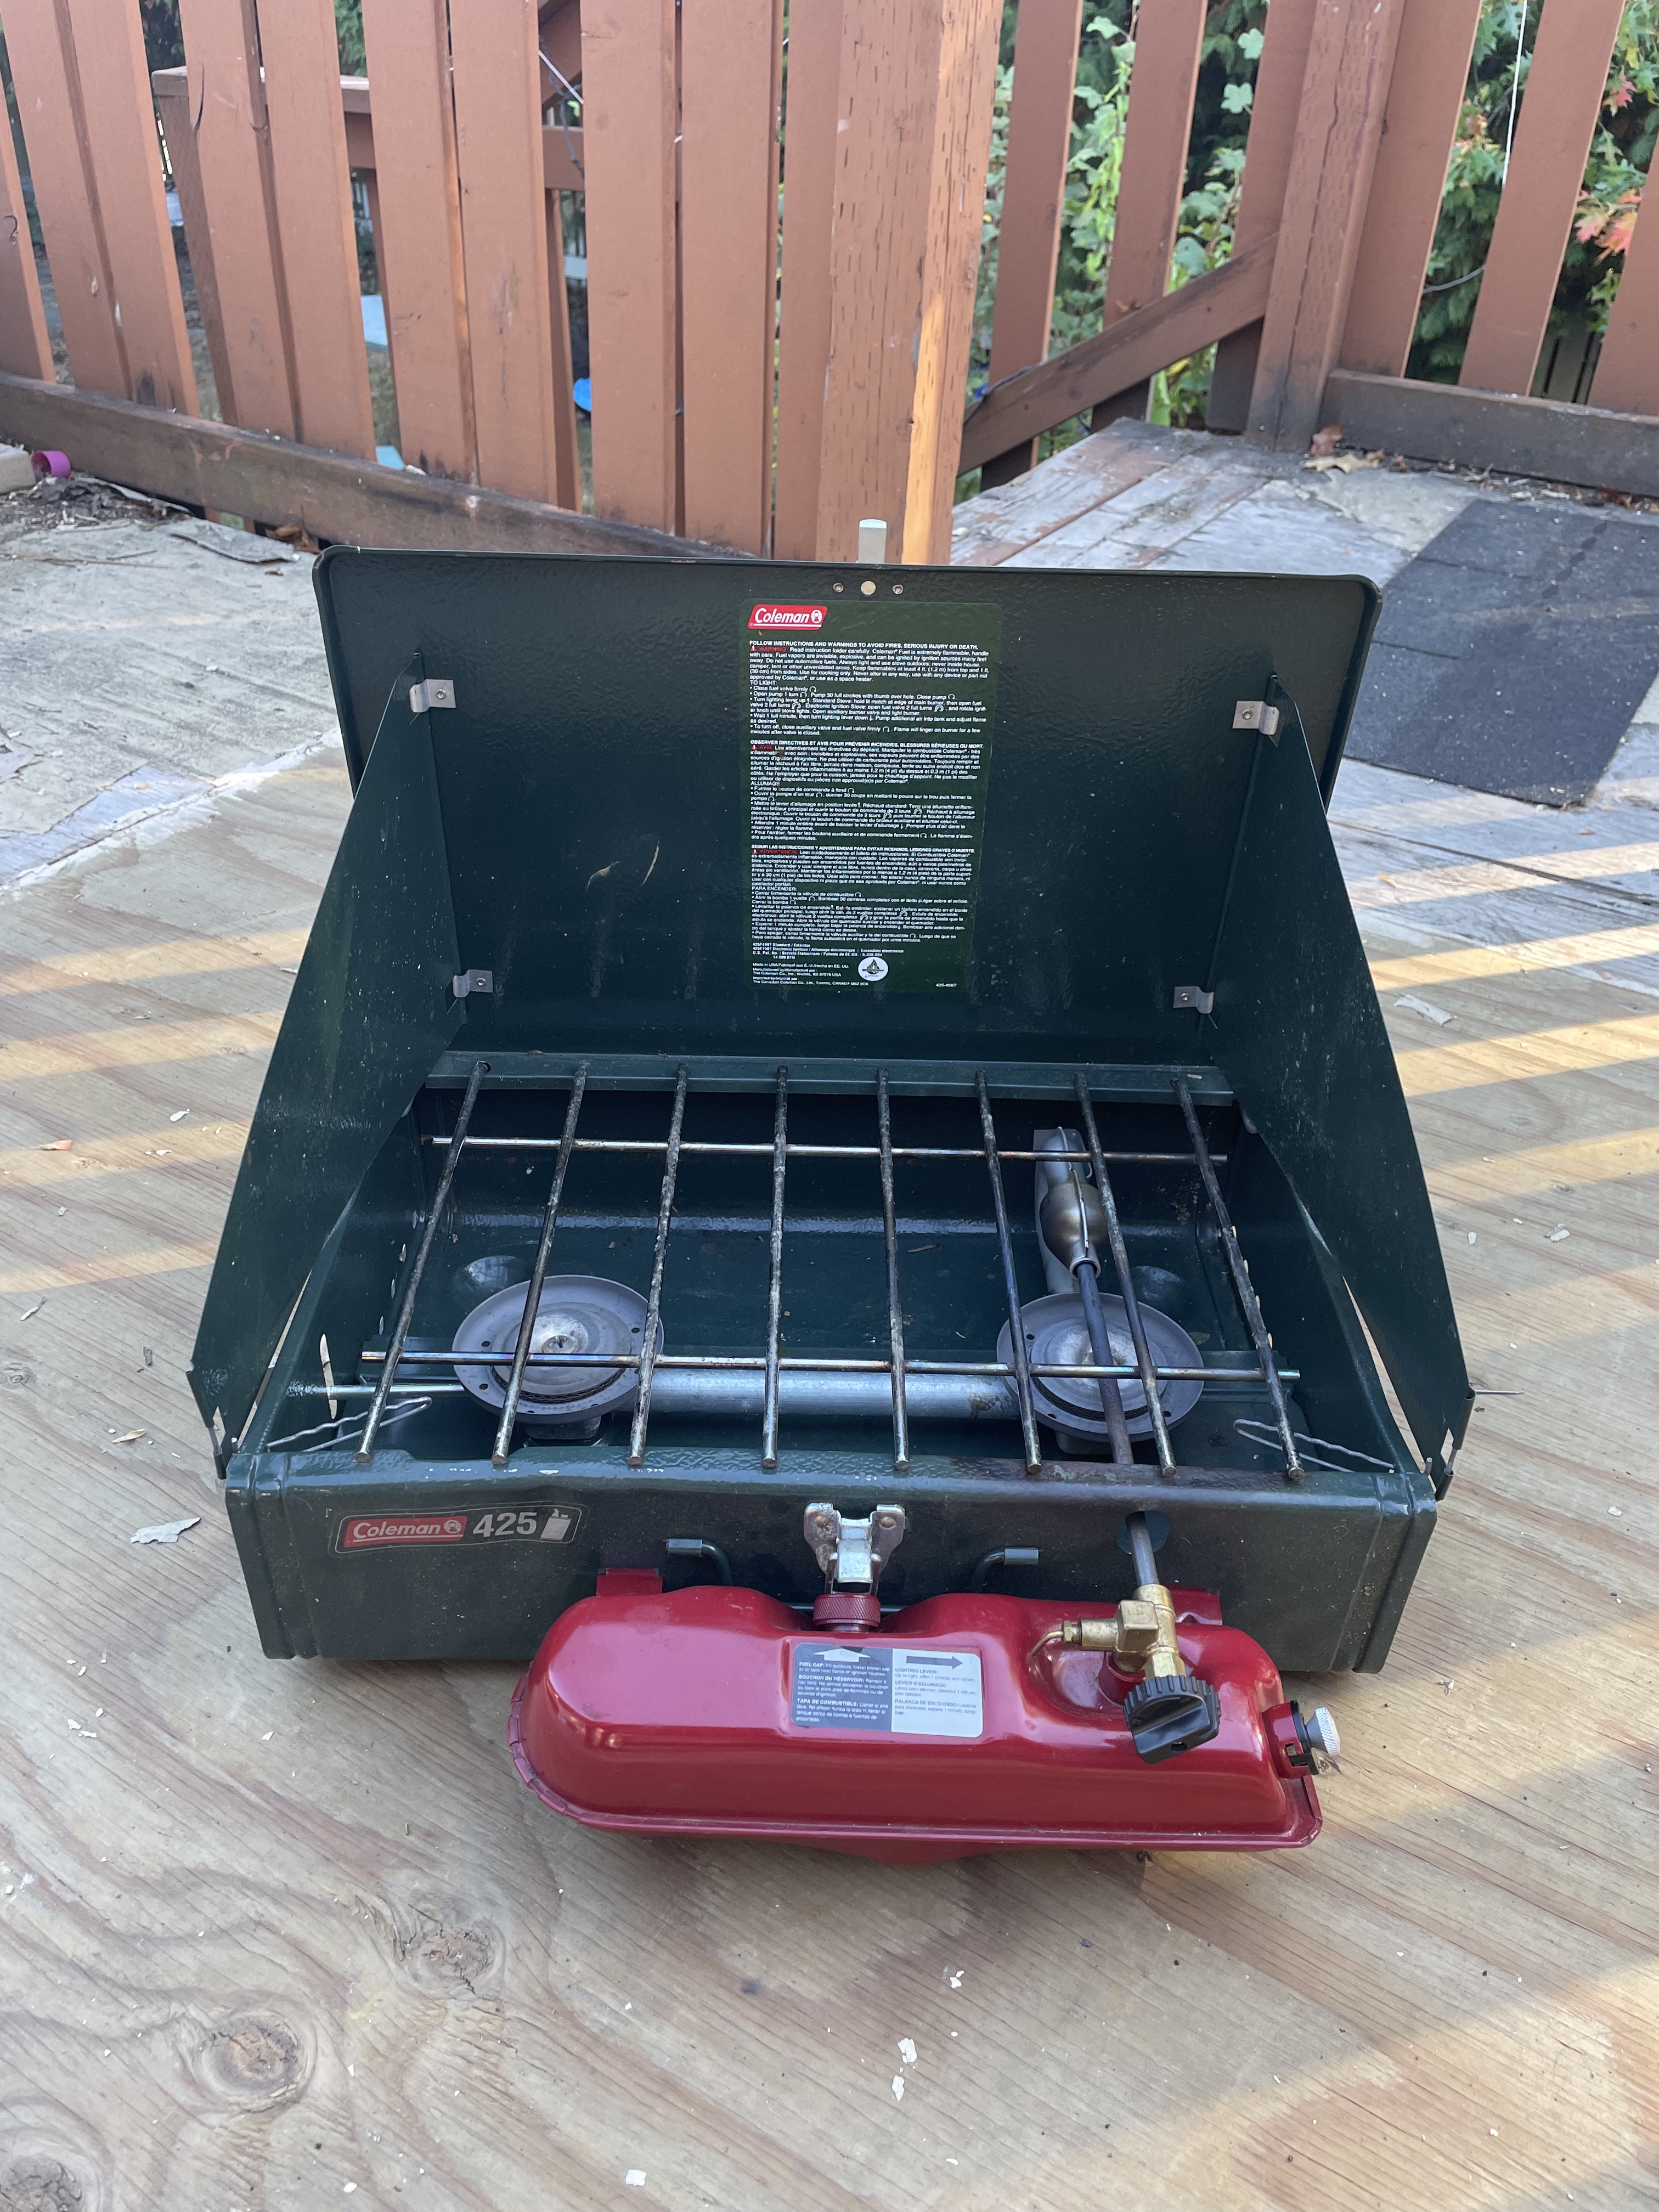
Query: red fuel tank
(953,1729)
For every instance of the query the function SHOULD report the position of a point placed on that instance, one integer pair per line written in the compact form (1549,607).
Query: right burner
(1056,1335)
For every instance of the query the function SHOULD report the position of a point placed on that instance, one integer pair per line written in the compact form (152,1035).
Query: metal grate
(771,1362)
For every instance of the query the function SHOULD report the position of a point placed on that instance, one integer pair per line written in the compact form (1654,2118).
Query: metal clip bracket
(481,981)
(853,1553)
(1258,715)
(1195,996)
(432,691)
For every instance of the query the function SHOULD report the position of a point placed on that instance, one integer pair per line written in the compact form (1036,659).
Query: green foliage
(1620,155)
(1221,113)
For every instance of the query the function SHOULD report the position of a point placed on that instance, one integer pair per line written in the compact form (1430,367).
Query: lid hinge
(431,692)
(1195,996)
(481,981)
(1258,715)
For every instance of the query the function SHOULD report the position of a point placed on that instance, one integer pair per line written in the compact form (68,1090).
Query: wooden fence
(766,369)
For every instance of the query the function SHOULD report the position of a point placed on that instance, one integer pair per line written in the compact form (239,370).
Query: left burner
(578,1313)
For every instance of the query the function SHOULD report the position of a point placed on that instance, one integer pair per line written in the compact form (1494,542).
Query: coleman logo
(540,1523)
(765,617)
(364,1530)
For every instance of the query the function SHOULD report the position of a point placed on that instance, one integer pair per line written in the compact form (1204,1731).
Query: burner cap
(1056,1335)
(576,1313)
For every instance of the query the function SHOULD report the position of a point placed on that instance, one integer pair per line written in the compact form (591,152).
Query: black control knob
(1168,1713)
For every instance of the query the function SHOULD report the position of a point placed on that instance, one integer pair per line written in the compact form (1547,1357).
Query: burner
(576,1313)
(1057,1336)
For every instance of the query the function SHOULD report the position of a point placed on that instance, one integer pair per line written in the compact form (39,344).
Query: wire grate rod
(659,1260)
(538,1273)
(1143,1363)
(774,1276)
(1010,1283)
(1249,1304)
(895,1310)
(428,1237)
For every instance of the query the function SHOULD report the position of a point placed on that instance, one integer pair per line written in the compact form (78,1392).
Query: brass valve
(1132,1634)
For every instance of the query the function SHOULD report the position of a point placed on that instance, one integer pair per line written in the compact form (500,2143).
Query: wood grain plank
(497,79)
(1269,151)
(809,203)
(418,234)
(25,346)
(232,142)
(962,146)
(730,59)
(1162,84)
(272,481)
(126,171)
(172,91)
(311,187)
(1553,134)
(1221,300)
(1046,38)
(1514,433)
(629,126)
(886,120)
(1627,373)
(1350,65)
(41,48)
(1425,99)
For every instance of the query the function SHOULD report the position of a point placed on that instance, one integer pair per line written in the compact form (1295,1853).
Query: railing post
(1345,93)
(913,113)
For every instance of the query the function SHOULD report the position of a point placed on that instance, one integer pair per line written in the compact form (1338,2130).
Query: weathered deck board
(272,1930)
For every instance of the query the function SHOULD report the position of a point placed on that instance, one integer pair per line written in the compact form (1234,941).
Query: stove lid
(786,811)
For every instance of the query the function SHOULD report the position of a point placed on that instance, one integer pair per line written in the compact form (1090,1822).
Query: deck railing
(766,368)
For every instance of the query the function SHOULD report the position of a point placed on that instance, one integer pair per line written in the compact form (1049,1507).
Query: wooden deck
(275,1936)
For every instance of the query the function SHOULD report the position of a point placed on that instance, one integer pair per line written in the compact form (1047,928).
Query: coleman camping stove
(818,1185)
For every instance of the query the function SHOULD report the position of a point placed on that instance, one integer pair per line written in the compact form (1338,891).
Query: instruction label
(889,1690)
(869,754)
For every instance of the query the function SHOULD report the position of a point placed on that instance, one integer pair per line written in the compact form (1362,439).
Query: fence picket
(1162,84)
(1627,373)
(1033,201)
(809,183)
(944,318)
(1272,142)
(47,81)
(25,346)
(1425,99)
(629,127)
(125,167)
(234,239)
(731,54)
(313,198)
(417,232)
(497,79)
(1558,110)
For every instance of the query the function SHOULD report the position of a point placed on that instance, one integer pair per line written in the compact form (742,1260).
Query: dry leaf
(133,1437)
(166,1532)
(60,1145)
(1326,440)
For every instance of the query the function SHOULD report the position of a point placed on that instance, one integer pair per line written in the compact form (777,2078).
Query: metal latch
(1257,714)
(481,979)
(853,1553)
(1191,994)
(432,691)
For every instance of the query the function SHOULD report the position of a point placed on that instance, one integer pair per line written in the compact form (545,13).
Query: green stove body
(741,957)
